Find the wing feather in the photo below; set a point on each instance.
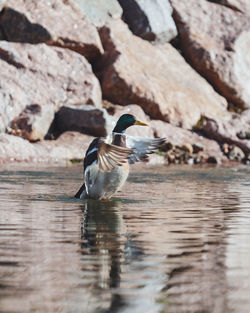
(109, 156)
(141, 147)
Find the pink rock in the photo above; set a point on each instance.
(67, 147)
(56, 22)
(2, 3)
(47, 77)
(242, 6)
(14, 149)
(156, 78)
(98, 12)
(227, 131)
(216, 41)
(85, 119)
(180, 137)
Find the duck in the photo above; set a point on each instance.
(107, 160)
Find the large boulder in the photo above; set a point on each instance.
(155, 77)
(150, 19)
(100, 12)
(234, 131)
(216, 41)
(69, 146)
(33, 21)
(14, 148)
(84, 119)
(36, 80)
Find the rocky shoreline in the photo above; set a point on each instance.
(70, 68)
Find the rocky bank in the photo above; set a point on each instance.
(70, 68)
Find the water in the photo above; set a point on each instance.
(174, 240)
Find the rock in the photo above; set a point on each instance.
(180, 137)
(218, 51)
(84, 119)
(225, 131)
(197, 147)
(236, 154)
(137, 131)
(69, 146)
(190, 161)
(2, 3)
(99, 12)
(33, 122)
(244, 134)
(155, 159)
(187, 147)
(213, 160)
(49, 77)
(134, 71)
(151, 19)
(17, 149)
(225, 148)
(242, 6)
(33, 21)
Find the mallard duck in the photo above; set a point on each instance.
(106, 163)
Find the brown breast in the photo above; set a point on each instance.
(119, 140)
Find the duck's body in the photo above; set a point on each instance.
(106, 183)
(106, 163)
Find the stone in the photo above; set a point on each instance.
(69, 146)
(33, 21)
(33, 122)
(85, 119)
(16, 149)
(242, 6)
(99, 12)
(213, 160)
(219, 50)
(49, 77)
(225, 131)
(187, 147)
(150, 19)
(2, 3)
(157, 78)
(177, 136)
(225, 148)
(197, 147)
(236, 154)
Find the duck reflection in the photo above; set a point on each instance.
(103, 246)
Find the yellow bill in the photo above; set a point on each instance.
(137, 122)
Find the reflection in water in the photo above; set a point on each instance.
(102, 235)
(175, 241)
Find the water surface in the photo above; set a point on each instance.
(174, 240)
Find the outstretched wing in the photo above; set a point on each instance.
(109, 156)
(141, 147)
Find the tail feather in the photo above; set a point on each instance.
(81, 193)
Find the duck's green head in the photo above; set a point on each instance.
(125, 121)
